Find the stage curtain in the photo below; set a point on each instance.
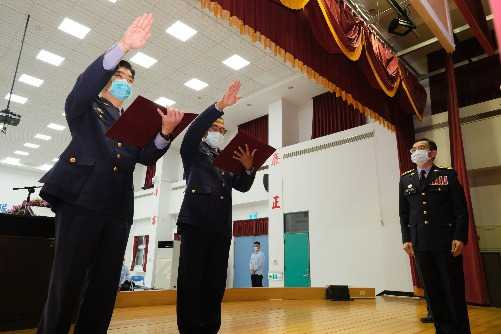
(289, 35)
(146, 244)
(250, 227)
(331, 114)
(150, 174)
(134, 252)
(476, 288)
(257, 128)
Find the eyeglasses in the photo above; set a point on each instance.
(420, 147)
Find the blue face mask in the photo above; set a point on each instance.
(120, 89)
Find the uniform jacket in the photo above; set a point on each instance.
(433, 214)
(94, 171)
(207, 201)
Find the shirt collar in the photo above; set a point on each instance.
(427, 170)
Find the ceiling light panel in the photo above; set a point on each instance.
(50, 58)
(30, 80)
(196, 84)
(143, 60)
(236, 62)
(74, 28)
(181, 31)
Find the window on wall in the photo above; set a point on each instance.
(140, 253)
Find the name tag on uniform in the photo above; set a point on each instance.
(440, 181)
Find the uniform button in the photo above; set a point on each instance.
(222, 197)
(118, 156)
(115, 169)
(73, 160)
(426, 222)
(424, 203)
(424, 194)
(119, 144)
(193, 191)
(425, 212)
(222, 173)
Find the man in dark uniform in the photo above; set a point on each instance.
(205, 219)
(434, 223)
(91, 190)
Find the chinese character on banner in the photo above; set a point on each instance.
(153, 220)
(276, 202)
(275, 160)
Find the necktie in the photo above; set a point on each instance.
(422, 178)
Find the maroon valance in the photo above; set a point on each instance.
(332, 46)
(250, 227)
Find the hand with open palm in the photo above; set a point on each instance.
(230, 97)
(138, 33)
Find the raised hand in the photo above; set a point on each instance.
(138, 33)
(170, 119)
(230, 97)
(246, 157)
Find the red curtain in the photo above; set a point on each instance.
(476, 288)
(257, 127)
(250, 227)
(134, 252)
(146, 243)
(331, 114)
(150, 174)
(293, 36)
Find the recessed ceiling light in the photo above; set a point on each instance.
(50, 58)
(165, 102)
(30, 145)
(45, 167)
(29, 80)
(143, 60)
(236, 62)
(181, 31)
(42, 137)
(74, 28)
(11, 161)
(196, 84)
(55, 160)
(21, 153)
(56, 127)
(113, 1)
(16, 98)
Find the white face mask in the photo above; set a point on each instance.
(420, 157)
(214, 139)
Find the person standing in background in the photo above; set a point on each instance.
(256, 265)
(434, 224)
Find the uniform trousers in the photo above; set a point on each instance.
(201, 282)
(89, 253)
(444, 282)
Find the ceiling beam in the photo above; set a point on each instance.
(474, 14)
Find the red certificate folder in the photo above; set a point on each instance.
(225, 160)
(141, 122)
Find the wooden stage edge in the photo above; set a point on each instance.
(168, 297)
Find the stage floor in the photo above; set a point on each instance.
(382, 315)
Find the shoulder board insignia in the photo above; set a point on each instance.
(408, 172)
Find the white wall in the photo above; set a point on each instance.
(11, 177)
(305, 120)
(354, 228)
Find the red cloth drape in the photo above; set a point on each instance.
(150, 174)
(134, 252)
(146, 243)
(257, 127)
(331, 114)
(476, 287)
(250, 227)
(294, 36)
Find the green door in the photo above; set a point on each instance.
(297, 259)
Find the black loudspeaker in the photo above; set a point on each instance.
(338, 292)
(266, 182)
